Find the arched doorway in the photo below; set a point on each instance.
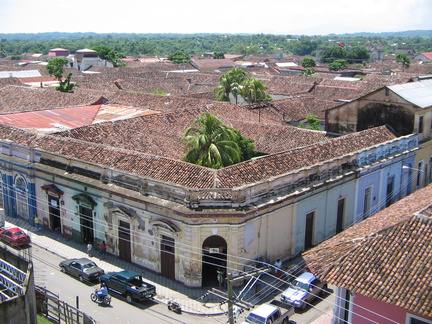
(214, 257)
(86, 205)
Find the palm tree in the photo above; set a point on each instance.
(230, 84)
(211, 143)
(403, 60)
(253, 90)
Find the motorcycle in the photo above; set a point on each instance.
(95, 298)
(174, 306)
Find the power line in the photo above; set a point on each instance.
(187, 246)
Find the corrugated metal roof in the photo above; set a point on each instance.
(54, 120)
(19, 74)
(418, 93)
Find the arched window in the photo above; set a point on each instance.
(21, 195)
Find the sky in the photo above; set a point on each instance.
(280, 17)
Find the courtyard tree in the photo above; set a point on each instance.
(308, 62)
(338, 65)
(55, 67)
(211, 143)
(403, 60)
(230, 84)
(253, 90)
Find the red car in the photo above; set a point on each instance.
(15, 236)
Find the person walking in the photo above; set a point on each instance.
(102, 252)
(89, 249)
(38, 223)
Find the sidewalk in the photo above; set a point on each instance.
(189, 298)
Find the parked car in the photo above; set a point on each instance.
(15, 236)
(82, 268)
(303, 290)
(129, 284)
(274, 312)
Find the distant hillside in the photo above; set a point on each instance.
(61, 35)
(408, 33)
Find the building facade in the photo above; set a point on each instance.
(185, 221)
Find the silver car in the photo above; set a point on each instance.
(303, 290)
(84, 269)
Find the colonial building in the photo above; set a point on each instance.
(184, 221)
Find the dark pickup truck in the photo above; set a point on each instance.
(128, 284)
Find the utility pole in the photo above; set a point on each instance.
(229, 298)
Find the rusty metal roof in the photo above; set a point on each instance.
(55, 120)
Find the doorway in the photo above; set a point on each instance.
(54, 214)
(86, 222)
(214, 257)
(309, 230)
(167, 257)
(124, 241)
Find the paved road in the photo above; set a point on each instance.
(48, 274)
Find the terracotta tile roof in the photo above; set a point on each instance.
(298, 107)
(387, 256)
(193, 176)
(161, 134)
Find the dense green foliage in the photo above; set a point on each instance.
(193, 44)
(110, 55)
(311, 123)
(211, 143)
(179, 57)
(308, 62)
(55, 67)
(338, 65)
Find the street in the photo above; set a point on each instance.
(71, 290)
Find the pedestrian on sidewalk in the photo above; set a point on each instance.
(89, 249)
(220, 277)
(102, 252)
(38, 223)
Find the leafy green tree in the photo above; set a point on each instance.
(246, 146)
(358, 54)
(65, 85)
(308, 62)
(312, 123)
(338, 65)
(334, 53)
(179, 57)
(110, 55)
(218, 55)
(230, 83)
(308, 72)
(211, 143)
(403, 60)
(56, 66)
(253, 90)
